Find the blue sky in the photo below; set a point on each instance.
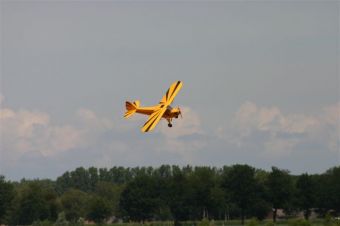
(261, 84)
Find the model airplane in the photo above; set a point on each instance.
(161, 110)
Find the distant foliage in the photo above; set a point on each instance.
(336, 222)
(204, 222)
(170, 193)
(305, 197)
(253, 222)
(42, 223)
(34, 202)
(6, 196)
(74, 204)
(139, 200)
(99, 209)
(240, 184)
(280, 189)
(270, 224)
(61, 220)
(299, 222)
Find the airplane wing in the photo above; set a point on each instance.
(171, 93)
(154, 119)
(165, 102)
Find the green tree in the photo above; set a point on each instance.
(239, 182)
(94, 177)
(110, 192)
(217, 202)
(6, 196)
(206, 193)
(139, 199)
(280, 189)
(63, 182)
(260, 209)
(99, 209)
(33, 202)
(61, 220)
(120, 175)
(181, 196)
(81, 179)
(74, 204)
(162, 176)
(328, 190)
(305, 193)
(334, 187)
(261, 206)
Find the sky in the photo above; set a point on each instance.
(261, 84)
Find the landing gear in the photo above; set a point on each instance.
(169, 122)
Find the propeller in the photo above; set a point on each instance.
(180, 112)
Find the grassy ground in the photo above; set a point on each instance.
(205, 222)
(314, 222)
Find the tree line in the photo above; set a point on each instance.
(169, 193)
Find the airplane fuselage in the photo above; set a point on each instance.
(156, 112)
(168, 114)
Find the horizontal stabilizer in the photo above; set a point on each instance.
(131, 108)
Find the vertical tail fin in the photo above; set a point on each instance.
(131, 108)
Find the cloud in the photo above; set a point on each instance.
(329, 128)
(185, 137)
(279, 134)
(28, 135)
(98, 140)
(90, 119)
(25, 131)
(2, 98)
(189, 125)
(32, 131)
(32, 144)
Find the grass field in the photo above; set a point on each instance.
(205, 222)
(294, 222)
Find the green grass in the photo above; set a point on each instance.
(249, 222)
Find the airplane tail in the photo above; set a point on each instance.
(131, 108)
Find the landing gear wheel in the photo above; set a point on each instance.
(169, 125)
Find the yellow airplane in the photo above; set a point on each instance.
(163, 109)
